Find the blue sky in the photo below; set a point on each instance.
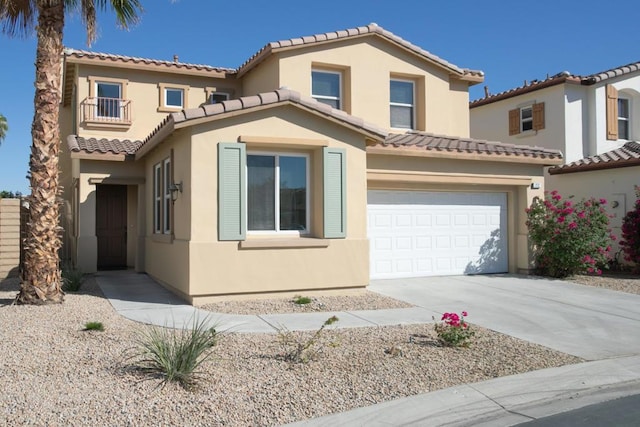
(511, 41)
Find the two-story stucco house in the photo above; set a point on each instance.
(592, 119)
(319, 163)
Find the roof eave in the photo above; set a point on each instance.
(594, 166)
(524, 90)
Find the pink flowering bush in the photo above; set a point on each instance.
(569, 238)
(454, 331)
(631, 234)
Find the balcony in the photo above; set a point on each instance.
(106, 112)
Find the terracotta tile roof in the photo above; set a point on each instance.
(75, 53)
(563, 77)
(103, 145)
(428, 141)
(279, 96)
(627, 155)
(351, 33)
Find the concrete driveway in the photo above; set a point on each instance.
(584, 321)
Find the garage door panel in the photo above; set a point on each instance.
(426, 233)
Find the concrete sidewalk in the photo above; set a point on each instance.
(596, 324)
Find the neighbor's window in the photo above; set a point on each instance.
(109, 98)
(526, 118)
(217, 97)
(173, 97)
(402, 104)
(623, 118)
(277, 193)
(326, 87)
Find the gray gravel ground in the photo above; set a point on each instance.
(615, 281)
(56, 374)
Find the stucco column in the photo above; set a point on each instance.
(141, 230)
(87, 249)
(525, 197)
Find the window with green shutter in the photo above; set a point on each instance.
(335, 195)
(232, 160)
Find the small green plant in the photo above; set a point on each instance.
(297, 349)
(72, 278)
(93, 326)
(454, 331)
(175, 355)
(300, 300)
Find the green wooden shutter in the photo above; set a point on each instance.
(335, 192)
(232, 161)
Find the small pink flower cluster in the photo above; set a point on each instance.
(452, 319)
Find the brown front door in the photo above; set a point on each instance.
(111, 226)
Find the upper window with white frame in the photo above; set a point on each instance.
(623, 118)
(217, 97)
(109, 98)
(326, 87)
(172, 97)
(277, 193)
(526, 118)
(402, 104)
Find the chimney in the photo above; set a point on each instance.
(486, 91)
(175, 58)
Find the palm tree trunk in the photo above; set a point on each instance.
(40, 278)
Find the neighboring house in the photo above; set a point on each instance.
(594, 120)
(318, 164)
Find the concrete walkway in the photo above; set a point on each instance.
(598, 325)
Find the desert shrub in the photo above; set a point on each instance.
(175, 354)
(569, 238)
(299, 348)
(300, 300)
(630, 242)
(72, 278)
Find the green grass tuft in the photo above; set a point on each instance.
(72, 278)
(175, 355)
(301, 300)
(93, 326)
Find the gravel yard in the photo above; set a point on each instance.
(54, 373)
(613, 280)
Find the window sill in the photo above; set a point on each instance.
(297, 243)
(527, 134)
(162, 238)
(169, 109)
(107, 124)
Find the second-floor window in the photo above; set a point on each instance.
(402, 104)
(109, 98)
(326, 87)
(217, 97)
(526, 118)
(623, 118)
(173, 97)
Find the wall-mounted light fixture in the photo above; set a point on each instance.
(175, 188)
(535, 185)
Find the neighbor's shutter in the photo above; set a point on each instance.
(335, 192)
(612, 113)
(232, 160)
(514, 121)
(538, 116)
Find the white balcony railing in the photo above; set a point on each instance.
(106, 110)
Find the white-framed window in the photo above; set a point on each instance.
(157, 198)
(526, 118)
(173, 97)
(109, 98)
(326, 87)
(166, 196)
(277, 193)
(162, 202)
(623, 118)
(402, 104)
(217, 97)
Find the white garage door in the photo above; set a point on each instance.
(416, 233)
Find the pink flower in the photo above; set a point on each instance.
(581, 215)
(590, 270)
(464, 314)
(603, 201)
(573, 226)
(556, 197)
(568, 204)
(560, 219)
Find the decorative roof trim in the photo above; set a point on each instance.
(474, 76)
(563, 77)
(626, 156)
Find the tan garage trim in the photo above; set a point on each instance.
(446, 178)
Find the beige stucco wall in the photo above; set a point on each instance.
(367, 64)
(614, 185)
(143, 89)
(392, 172)
(223, 268)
